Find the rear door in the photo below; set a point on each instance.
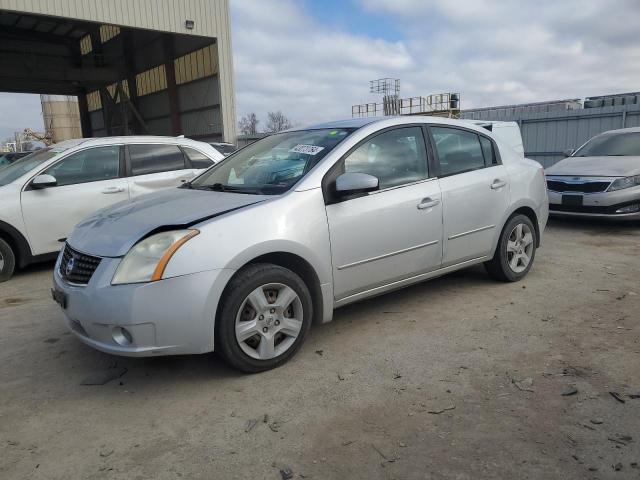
(154, 167)
(475, 192)
(87, 181)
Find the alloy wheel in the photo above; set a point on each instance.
(269, 321)
(520, 247)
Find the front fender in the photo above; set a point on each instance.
(295, 223)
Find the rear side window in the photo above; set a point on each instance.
(458, 150)
(487, 150)
(197, 159)
(147, 159)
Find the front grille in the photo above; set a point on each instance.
(583, 187)
(81, 269)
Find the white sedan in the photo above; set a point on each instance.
(43, 195)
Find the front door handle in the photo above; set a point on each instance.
(428, 203)
(109, 190)
(497, 183)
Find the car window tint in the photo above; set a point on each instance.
(146, 159)
(91, 165)
(458, 150)
(395, 157)
(198, 159)
(487, 150)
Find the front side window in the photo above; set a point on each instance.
(273, 164)
(197, 159)
(395, 157)
(458, 150)
(147, 159)
(611, 145)
(91, 165)
(13, 171)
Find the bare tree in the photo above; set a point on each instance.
(248, 124)
(277, 122)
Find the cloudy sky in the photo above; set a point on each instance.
(313, 59)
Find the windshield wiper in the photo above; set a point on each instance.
(220, 187)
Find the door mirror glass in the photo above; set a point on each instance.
(568, 152)
(44, 181)
(352, 182)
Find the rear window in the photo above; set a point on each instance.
(147, 159)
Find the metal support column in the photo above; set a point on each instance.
(172, 89)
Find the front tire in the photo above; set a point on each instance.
(7, 261)
(515, 252)
(265, 314)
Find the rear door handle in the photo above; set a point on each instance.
(109, 190)
(497, 183)
(428, 203)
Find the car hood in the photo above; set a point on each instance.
(596, 167)
(112, 232)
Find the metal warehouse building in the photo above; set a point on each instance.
(159, 67)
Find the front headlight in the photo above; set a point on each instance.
(147, 260)
(626, 182)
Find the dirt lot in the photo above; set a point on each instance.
(459, 378)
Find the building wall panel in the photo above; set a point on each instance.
(547, 133)
(211, 19)
(199, 94)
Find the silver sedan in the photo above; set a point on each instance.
(243, 259)
(601, 179)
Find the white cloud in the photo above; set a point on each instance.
(492, 52)
(285, 60)
(497, 52)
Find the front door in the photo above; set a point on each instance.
(475, 193)
(395, 232)
(87, 181)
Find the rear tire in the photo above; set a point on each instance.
(515, 251)
(265, 315)
(7, 261)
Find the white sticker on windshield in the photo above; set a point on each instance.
(308, 149)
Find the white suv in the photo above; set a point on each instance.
(43, 195)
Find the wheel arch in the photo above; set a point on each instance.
(300, 267)
(524, 209)
(17, 242)
(531, 214)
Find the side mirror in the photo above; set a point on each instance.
(568, 152)
(351, 183)
(44, 181)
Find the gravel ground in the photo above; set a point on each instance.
(460, 377)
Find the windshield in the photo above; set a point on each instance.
(13, 171)
(273, 164)
(611, 145)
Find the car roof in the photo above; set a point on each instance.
(396, 120)
(66, 145)
(130, 139)
(622, 130)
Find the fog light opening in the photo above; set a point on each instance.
(122, 336)
(629, 208)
